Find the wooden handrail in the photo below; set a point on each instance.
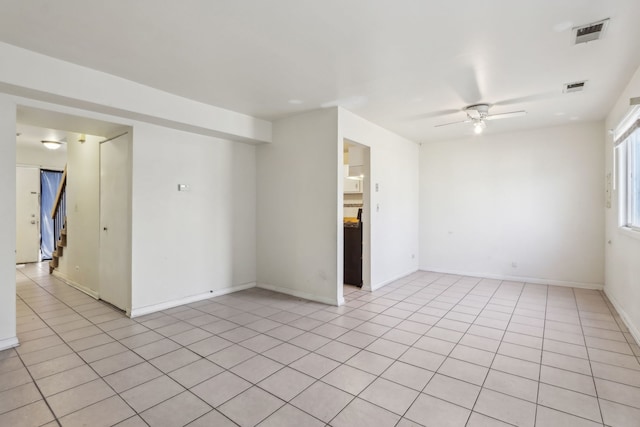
(56, 202)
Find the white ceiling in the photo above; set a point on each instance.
(35, 125)
(394, 63)
(30, 137)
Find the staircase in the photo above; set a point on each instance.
(59, 216)
(61, 243)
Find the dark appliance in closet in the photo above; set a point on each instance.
(353, 251)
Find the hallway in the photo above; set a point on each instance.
(429, 349)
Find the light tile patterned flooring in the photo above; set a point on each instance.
(430, 349)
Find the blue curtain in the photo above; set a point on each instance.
(49, 181)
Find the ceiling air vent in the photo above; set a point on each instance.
(590, 32)
(574, 87)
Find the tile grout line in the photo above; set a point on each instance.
(316, 380)
(629, 338)
(344, 363)
(458, 343)
(87, 364)
(182, 346)
(496, 352)
(144, 361)
(544, 330)
(224, 369)
(595, 388)
(566, 370)
(55, 417)
(395, 360)
(231, 367)
(423, 335)
(551, 351)
(363, 348)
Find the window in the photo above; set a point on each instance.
(627, 146)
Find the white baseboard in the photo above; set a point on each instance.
(8, 343)
(377, 286)
(141, 311)
(300, 294)
(535, 280)
(633, 329)
(78, 286)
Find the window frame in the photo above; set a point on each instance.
(627, 171)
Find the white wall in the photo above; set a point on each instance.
(298, 206)
(394, 167)
(622, 284)
(534, 198)
(79, 263)
(188, 245)
(300, 199)
(41, 157)
(7, 223)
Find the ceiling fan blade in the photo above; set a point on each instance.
(505, 115)
(454, 123)
(465, 83)
(529, 98)
(432, 114)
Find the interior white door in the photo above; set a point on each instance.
(27, 215)
(115, 253)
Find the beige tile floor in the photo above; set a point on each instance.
(430, 349)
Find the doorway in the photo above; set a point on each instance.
(49, 183)
(85, 248)
(356, 214)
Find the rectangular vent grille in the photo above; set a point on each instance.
(590, 32)
(574, 87)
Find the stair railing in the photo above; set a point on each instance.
(59, 210)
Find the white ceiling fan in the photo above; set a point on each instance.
(478, 114)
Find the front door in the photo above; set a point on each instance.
(27, 215)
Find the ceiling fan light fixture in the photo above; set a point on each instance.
(478, 127)
(478, 114)
(51, 145)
